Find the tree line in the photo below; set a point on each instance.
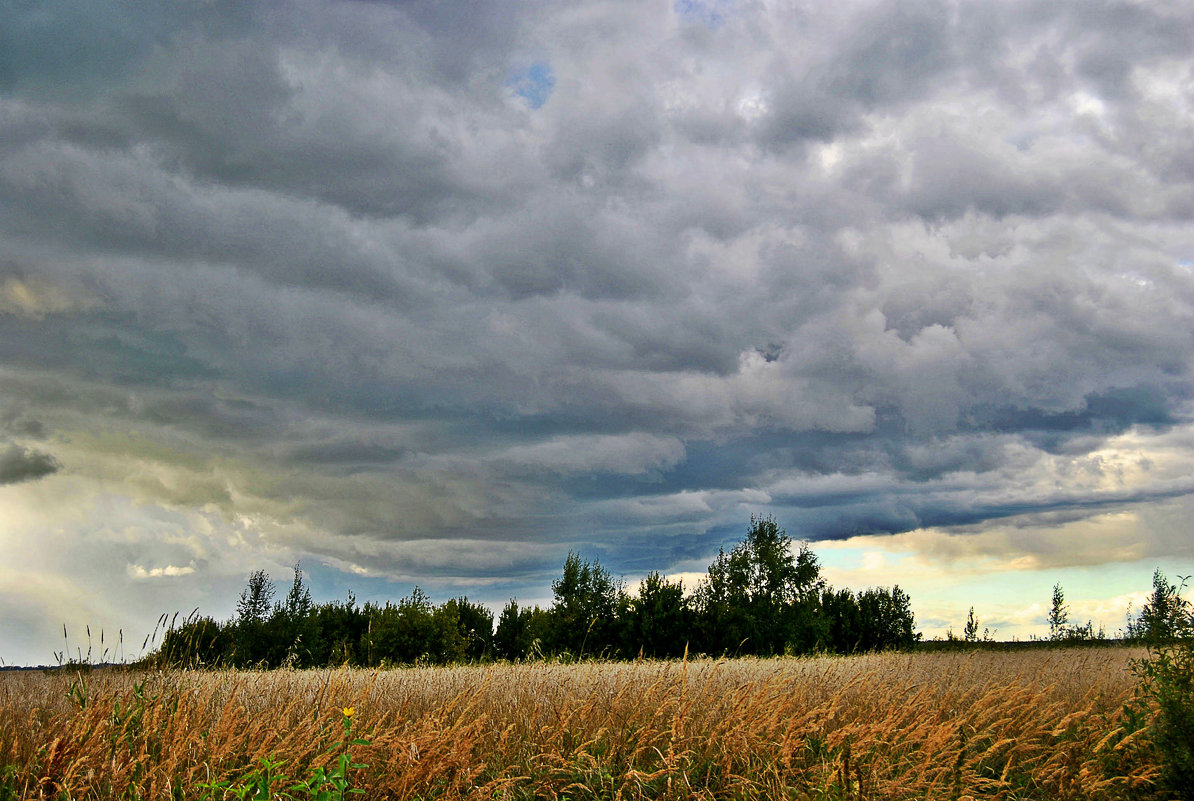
(764, 597)
(1164, 618)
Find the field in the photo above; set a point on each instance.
(983, 724)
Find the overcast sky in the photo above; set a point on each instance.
(435, 292)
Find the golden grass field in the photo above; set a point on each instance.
(983, 724)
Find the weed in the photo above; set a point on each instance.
(332, 784)
(255, 785)
(325, 782)
(8, 783)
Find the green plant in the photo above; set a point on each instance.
(332, 783)
(256, 785)
(8, 783)
(325, 783)
(77, 691)
(1167, 693)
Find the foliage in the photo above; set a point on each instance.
(970, 632)
(761, 598)
(254, 603)
(765, 596)
(411, 631)
(474, 624)
(198, 642)
(326, 782)
(1058, 620)
(583, 615)
(521, 632)
(1059, 614)
(876, 619)
(658, 620)
(1166, 615)
(1165, 697)
(298, 599)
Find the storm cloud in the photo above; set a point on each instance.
(436, 295)
(24, 464)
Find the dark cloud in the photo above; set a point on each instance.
(392, 284)
(19, 464)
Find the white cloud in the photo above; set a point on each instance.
(166, 571)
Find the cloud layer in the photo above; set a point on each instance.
(437, 297)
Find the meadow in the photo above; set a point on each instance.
(1046, 723)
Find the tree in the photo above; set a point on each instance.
(509, 639)
(1166, 615)
(1166, 692)
(840, 608)
(198, 642)
(1059, 614)
(722, 600)
(658, 621)
(338, 630)
(255, 599)
(886, 619)
(403, 633)
(475, 625)
(298, 599)
(290, 632)
(521, 632)
(253, 644)
(761, 598)
(584, 612)
(970, 633)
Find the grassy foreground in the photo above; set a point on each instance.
(1041, 724)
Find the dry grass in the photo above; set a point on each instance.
(1041, 724)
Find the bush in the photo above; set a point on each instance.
(1167, 691)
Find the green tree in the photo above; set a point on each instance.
(474, 625)
(290, 631)
(722, 602)
(521, 632)
(253, 609)
(447, 644)
(1166, 692)
(255, 600)
(1059, 614)
(886, 619)
(1165, 698)
(658, 621)
(970, 632)
(509, 638)
(198, 642)
(761, 597)
(403, 633)
(844, 617)
(584, 612)
(338, 629)
(1166, 614)
(298, 599)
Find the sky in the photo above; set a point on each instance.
(436, 292)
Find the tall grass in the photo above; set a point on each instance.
(943, 725)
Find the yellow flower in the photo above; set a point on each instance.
(349, 711)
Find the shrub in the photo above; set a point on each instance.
(1167, 691)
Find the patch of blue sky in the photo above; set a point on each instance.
(534, 84)
(711, 12)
